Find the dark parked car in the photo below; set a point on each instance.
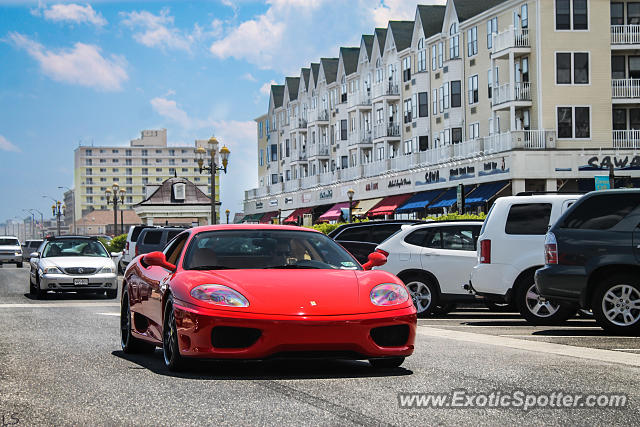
(155, 239)
(593, 259)
(361, 238)
(28, 247)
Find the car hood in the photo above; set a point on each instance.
(296, 292)
(76, 261)
(10, 248)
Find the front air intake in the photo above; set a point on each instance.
(390, 336)
(233, 337)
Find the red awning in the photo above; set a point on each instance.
(334, 213)
(266, 218)
(388, 205)
(297, 214)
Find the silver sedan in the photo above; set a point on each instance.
(73, 264)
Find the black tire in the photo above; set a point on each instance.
(111, 293)
(616, 304)
(387, 362)
(500, 307)
(172, 358)
(534, 309)
(19, 264)
(128, 342)
(443, 309)
(34, 289)
(424, 293)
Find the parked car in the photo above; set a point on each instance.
(434, 261)
(361, 238)
(73, 264)
(28, 247)
(155, 239)
(511, 249)
(593, 259)
(129, 251)
(10, 251)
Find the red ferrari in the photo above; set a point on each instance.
(261, 291)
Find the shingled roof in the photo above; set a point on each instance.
(164, 194)
(293, 83)
(350, 57)
(315, 72)
(431, 17)
(306, 72)
(467, 9)
(277, 91)
(368, 43)
(330, 67)
(381, 33)
(402, 32)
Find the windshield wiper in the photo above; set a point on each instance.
(210, 267)
(292, 266)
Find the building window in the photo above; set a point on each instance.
(145, 161)
(454, 41)
(441, 98)
(472, 41)
(260, 129)
(524, 16)
(127, 152)
(274, 152)
(145, 171)
(129, 171)
(407, 146)
(144, 152)
(115, 160)
(634, 67)
(434, 98)
(619, 119)
(423, 104)
(456, 135)
(440, 54)
(423, 142)
(633, 13)
(343, 130)
(407, 111)
(473, 89)
(88, 153)
(474, 131)
(492, 28)
(574, 122)
(261, 157)
(434, 58)
(422, 56)
(578, 61)
(406, 69)
(572, 14)
(456, 96)
(88, 162)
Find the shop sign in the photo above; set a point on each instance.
(401, 182)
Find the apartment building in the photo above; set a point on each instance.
(502, 96)
(137, 168)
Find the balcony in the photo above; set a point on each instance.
(625, 36)
(326, 178)
(319, 150)
(376, 168)
(504, 94)
(513, 38)
(320, 116)
(625, 90)
(402, 162)
(629, 138)
(467, 149)
(309, 181)
(391, 90)
(359, 100)
(291, 185)
(299, 124)
(349, 174)
(365, 137)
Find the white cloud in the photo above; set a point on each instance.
(71, 12)
(159, 30)
(169, 109)
(83, 64)
(265, 89)
(249, 77)
(6, 145)
(397, 10)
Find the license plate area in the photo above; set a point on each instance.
(80, 282)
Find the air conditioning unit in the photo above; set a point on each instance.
(473, 110)
(446, 116)
(438, 120)
(406, 87)
(334, 149)
(472, 62)
(407, 129)
(413, 82)
(445, 69)
(437, 76)
(414, 124)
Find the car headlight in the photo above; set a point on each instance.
(51, 270)
(219, 295)
(18, 253)
(106, 270)
(389, 294)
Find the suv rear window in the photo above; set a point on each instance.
(355, 234)
(380, 233)
(528, 219)
(136, 232)
(153, 237)
(172, 233)
(602, 212)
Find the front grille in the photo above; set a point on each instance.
(232, 337)
(390, 336)
(79, 270)
(7, 252)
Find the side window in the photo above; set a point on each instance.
(172, 251)
(417, 237)
(434, 239)
(152, 237)
(602, 212)
(172, 233)
(460, 238)
(355, 234)
(528, 219)
(380, 233)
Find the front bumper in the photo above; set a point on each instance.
(563, 283)
(10, 258)
(292, 336)
(65, 282)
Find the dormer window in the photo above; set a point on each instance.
(422, 56)
(454, 41)
(179, 191)
(343, 89)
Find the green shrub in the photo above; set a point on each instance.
(116, 244)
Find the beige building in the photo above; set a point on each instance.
(538, 95)
(138, 169)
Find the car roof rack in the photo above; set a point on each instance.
(542, 193)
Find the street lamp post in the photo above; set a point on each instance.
(41, 220)
(350, 194)
(213, 168)
(115, 196)
(227, 212)
(58, 211)
(73, 202)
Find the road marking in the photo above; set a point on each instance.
(61, 304)
(535, 346)
(568, 336)
(109, 314)
(626, 349)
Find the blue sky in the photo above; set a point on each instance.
(101, 71)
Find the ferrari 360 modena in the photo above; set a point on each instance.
(260, 292)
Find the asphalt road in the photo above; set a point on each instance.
(60, 363)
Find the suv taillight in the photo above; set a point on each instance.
(136, 250)
(550, 249)
(485, 251)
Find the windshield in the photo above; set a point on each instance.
(258, 249)
(74, 247)
(4, 241)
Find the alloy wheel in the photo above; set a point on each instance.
(621, 305)
(168, 337)
(537, 305)
(421, 295)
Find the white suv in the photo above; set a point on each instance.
(511, 249)
(434, 261)
(129, 251)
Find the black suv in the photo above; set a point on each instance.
(593, 259)
(361, 238)
(155, 239)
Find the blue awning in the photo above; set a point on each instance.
(450, 197)
(418, 201)
(485, 192)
